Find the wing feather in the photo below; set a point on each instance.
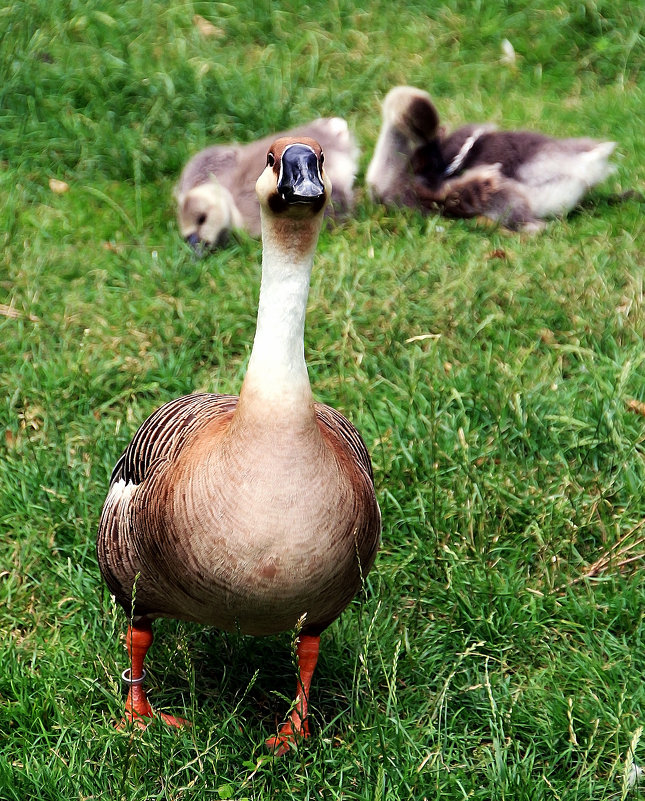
(335, 422)
(166, 431)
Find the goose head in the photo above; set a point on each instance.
(411, 111)
(294, 186)
(205, 218)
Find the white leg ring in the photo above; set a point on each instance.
(126, 677)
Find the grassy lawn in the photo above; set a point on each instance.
(498, 651)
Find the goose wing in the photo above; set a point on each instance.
(166, 431)
(365, 530)
(472, 193)
(335, 423)
(157, 442)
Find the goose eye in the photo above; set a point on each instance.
(270, 159)
(201, 219)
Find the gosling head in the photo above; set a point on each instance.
(204, 216)
(411, 111)
(294, 184)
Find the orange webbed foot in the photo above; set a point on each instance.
(143, 721)
(137, 707)
(296, 728)
(286, 738)
(173, 720)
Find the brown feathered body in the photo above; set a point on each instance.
(248, 514)
(246, 524)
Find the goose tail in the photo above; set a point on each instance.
(597, 166)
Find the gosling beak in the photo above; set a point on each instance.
(300, 180)
(194, 241)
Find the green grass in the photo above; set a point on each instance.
(492, 376)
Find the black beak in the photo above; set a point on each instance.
(300, 180)
(197, 245)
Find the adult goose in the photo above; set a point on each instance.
(254, 514)
(215, 193)
(515, 177)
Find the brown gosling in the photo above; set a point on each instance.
(515, 177)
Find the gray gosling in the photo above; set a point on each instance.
(216, 189)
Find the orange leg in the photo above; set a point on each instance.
(297, 726)
(137, 706)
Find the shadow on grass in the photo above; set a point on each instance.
(204, 673)
(597, 202)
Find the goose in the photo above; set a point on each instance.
(515, 177)
(255, 513)
(215, 193)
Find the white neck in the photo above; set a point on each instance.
(277, 372)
